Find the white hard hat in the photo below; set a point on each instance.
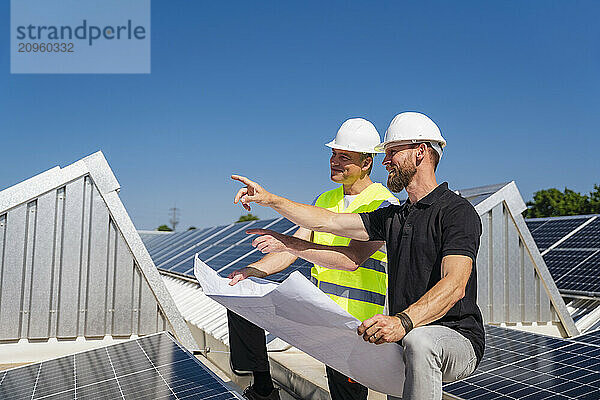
(356, 134)
(413, 127)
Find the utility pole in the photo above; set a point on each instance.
(174, 217)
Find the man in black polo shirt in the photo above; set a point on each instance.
(432, 242)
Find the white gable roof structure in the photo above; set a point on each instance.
(72, 264)
(514, 284)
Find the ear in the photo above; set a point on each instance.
(367, 162)
(421, 152)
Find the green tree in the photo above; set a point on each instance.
(595, 200)
(164, 228)
(554, 203)
(247, 217)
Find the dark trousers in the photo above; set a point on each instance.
(247, 343)
(342, 388)
(249, 353)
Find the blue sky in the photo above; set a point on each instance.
(257, 88)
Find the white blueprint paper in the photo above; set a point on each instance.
(305, 317)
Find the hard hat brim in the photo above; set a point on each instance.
(334, 145)
(381, 147)
(439, 148)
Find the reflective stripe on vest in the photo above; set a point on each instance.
(360, 292)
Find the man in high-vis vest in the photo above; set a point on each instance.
(432, 241)
(361, 292)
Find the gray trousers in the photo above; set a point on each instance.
(432, 355)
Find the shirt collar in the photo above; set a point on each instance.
(434, 195)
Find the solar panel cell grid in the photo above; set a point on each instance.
(187, 253)
(584, 277)
(554, 230)
(154, 367)
(560, 262)
(520, 365)
(589, 338)
(283, 225)
(55, 377)
(240, 234)
(231, 254)
(170, 251)
(171, 241)
(533, 225)
(588, 237)
(224, 248)
(573, 263)
(244, 247)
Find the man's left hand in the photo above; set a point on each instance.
(381, 329)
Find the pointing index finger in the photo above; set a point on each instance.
(242, 179)
(257, 231)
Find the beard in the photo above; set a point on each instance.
(400, 178)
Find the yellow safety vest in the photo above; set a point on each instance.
(361, 292)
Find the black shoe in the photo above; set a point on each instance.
(251, 394)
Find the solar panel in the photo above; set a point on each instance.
(151, 237)
(225, 248)
(560, 262)
(168, 251)
(186, 254)
(534, 224)
(236, 236)
(574, 262)
(160, 244)
(243, 246)
(153, 367)
(584, 277)
(555, 229)
(181, 240)
(588, 237)
(521, 365)
(300, 265)
(589, 338)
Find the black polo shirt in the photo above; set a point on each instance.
(417, 236)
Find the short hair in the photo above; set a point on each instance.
(433, 156)
(363, 157)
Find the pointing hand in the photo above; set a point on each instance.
(269, 241)
(253, 192)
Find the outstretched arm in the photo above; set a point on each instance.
(347, 258)
(310, 217)
(269, 264)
